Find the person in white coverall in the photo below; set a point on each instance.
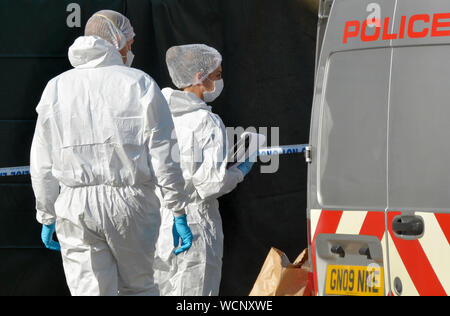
(101, 145)
(196, 70)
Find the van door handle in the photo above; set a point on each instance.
(408, 226)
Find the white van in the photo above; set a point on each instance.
(379, 179)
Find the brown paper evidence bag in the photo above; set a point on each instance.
(280, 277)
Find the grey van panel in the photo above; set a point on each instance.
(349, 10)
(411, 90)
(352, 146)
(351, 246)
(411, 7)
(419, 143)
(346, 10)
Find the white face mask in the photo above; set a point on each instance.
(210, 96)
(130, 58)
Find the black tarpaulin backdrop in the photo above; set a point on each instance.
(268, 48)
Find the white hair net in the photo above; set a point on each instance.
(111, 26)
(184, 62)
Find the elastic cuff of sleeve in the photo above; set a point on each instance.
(44, 218)
(179, 213)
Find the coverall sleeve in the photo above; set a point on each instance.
(45, 185)
(163, 147)
(212, 179)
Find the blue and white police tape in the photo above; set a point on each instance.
(283, 150)
(14, 171)
(269, 151)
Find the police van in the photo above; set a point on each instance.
(379, 177)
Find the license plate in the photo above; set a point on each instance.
(355, 280)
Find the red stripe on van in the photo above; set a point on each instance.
(327, 224)
(373, 225)
(416, 263)
(444, 222)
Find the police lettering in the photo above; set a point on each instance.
(417, 26)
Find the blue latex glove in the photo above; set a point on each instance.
(181, 230)
(245, 167)
(47, 237)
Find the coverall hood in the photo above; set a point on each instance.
(181, 102)
(93, 52)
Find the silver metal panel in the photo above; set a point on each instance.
(341, 12)
(394, 87)
(345, 11)
(423, 10)
(351, 246)
(353, 126)
(419, 143)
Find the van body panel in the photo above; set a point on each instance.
(357, 226)
(352, 131)
(380, 141)
(434, 9)
(419, 133)
(421, 264)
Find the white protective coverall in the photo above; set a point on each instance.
(202, 141)
(102, 143)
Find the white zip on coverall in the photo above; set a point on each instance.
(103, 136)
(202, 142)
